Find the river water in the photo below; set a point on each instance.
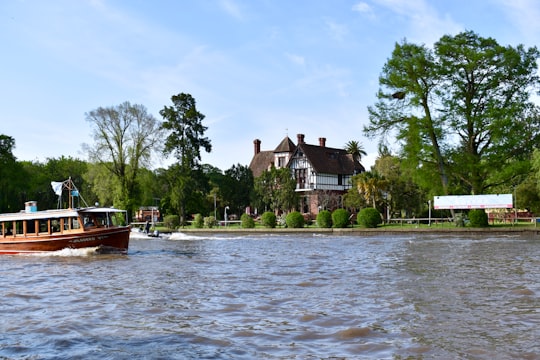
(408, 296)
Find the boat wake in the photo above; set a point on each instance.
(67, 252)
(183, 236)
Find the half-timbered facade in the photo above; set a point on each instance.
(323, 174)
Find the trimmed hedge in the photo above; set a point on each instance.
(294, 220)
(198, 221)
(324, 219)
(268, 219)
(369, 217)
(247, 221)
(478, 218)
(340, 218)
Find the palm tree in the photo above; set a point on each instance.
(371, 186)
(356, 149)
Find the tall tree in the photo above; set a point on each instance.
(238, 187)
(371, 186)
(125, 137)
(183, 123)
(487, 89)
(458, 109)
(408, 87)
(275, 190)
(356, 149)
(12, 177)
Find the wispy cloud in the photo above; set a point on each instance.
(232, 8)
(364, 8)
(337, 31)
(524, 14)
(296, 59)
(423, 23)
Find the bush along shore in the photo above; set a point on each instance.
(340, 221)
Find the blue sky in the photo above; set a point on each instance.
(257, 68)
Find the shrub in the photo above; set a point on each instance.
(171, 221)
(247, 221)
(198, 221)
(294, 220)
(340, 218)
(210, 221)
(369, 218)
(478, 218)
(268, 219)
(459, 220)
(324, 219)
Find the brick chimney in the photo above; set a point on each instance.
(300, 138)
(322, 142)
(257, 146)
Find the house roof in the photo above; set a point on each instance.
(286, 145)
(324, 160)
(261, 162)
(327, 160)
(263, 159)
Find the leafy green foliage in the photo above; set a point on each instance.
(275, 189)
(268, 219)
(478, 218)
(198, 221)
(237, 187)
(185, 138)
(468, 88)
(369, 218)
(340, 218)
(294, 220)
(210, 221)
(171, 221)
(247, 221)
(13, 178)
(324, 219)
(124, 140)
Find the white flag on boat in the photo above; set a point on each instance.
(57, 187)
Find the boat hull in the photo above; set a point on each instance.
(108, 240)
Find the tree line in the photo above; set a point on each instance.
(455, 118)
(461, 119)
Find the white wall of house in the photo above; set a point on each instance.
(281, 159)
(314, 181)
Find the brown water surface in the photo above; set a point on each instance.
(277, 297)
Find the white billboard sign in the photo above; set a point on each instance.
(498, 201)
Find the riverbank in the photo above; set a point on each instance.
(496, 230)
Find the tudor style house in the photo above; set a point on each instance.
(323, 175)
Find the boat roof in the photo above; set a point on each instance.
(55, 214)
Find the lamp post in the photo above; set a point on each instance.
(226, 208)
(429, 213)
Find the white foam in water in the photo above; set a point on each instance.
(138, 235)
(69, 252)
(182, 236)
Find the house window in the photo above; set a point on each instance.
(281, 161)
(300, 178)
(340, 179)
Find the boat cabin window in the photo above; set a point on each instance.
(30, 227)
(44, 226)
(19, 227)
(88, 222)
(75, 223)
(56, 225)
(7, 228)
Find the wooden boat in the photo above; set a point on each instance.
(33, 231)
